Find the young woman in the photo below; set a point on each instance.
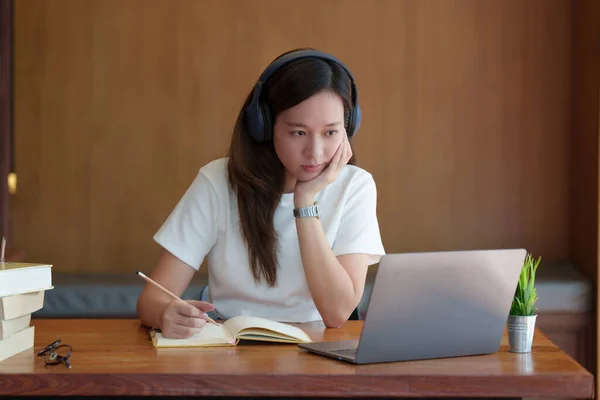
(287, 221)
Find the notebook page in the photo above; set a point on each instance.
(210, 334)
(239, 323)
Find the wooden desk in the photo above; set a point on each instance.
(116, 357)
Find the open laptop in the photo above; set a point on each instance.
(433, 305)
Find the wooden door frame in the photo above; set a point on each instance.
(6, 109)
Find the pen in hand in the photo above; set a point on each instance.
(172, 295)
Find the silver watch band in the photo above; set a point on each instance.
(306, 212)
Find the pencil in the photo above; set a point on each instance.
(2, 249)
(173, 295)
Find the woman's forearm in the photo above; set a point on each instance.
(150, 307)
(173, 274)
(330, 285)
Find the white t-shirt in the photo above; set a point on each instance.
(205, 223)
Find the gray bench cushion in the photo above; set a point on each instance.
(101, 296)
(561, 287)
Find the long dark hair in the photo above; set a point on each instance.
(254, 170)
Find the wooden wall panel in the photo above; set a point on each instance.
(466, 116)
(6, 7)
(585, 165)
(584, 143)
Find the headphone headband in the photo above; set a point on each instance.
(257, 115)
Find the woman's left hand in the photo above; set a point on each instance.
(305, 192)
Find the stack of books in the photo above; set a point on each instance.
(22, 289)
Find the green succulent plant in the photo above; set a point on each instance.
(526, 293)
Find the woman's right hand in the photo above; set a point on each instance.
(181, 319)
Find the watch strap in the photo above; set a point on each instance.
(307, 212)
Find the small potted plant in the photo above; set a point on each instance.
(523, 314)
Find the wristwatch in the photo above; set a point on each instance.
(305, 212)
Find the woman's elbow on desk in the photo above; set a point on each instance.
(337, 300)
(334, 321)
(339, 313)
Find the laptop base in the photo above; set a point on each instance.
(343, 350)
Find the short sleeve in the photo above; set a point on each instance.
(191, 229)
(359, 227)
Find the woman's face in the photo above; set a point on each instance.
(307, 136)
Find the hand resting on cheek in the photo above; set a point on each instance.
(308, 189)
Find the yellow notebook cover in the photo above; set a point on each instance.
(233, 330)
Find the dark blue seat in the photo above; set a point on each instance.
(354, 316)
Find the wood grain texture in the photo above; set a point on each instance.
(6, 111)
(573, 333)
(117, 104)
(584, 139)
(585, 163)
(116, 357)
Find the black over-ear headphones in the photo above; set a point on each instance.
(257, 114)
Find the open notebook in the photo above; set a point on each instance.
(235, 329)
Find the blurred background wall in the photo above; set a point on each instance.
(480, 118)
